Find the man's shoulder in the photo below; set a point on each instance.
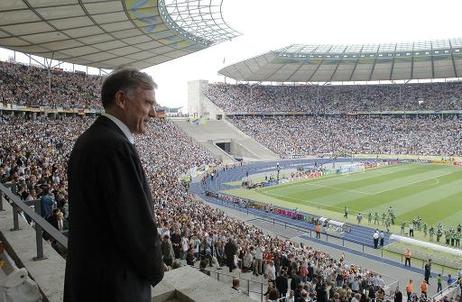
(102, 134)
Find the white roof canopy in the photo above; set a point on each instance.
(112, 33)
(367, 62)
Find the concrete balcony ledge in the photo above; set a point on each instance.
(188, 284)
(183, 284)
(47, 273)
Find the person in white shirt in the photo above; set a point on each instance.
(356, 298)
(185, 246)
(258, 260)
(271, 271)
(376, 238)
(247, 261)
(291, 297)
(355, 284)
(380, 282)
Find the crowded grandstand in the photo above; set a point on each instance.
(44, 110)
(35, 149)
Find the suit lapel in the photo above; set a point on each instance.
(142, 175)
(102, 120)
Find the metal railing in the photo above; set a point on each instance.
(390, 286)
(248, 286)
(449, 291)
(335, 239)
(40, 224)
(390, 289)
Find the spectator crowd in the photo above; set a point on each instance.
(336, 98)
(291, 136)
(33, 156)
(35, 86)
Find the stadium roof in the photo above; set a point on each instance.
(112, 33)
(368, 62)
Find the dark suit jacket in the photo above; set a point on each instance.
(230, 249)
(282, 284)
(114, 248)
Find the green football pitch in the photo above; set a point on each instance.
(431, 191)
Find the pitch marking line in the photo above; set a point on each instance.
(413, 183)
(319, 204)
(333, 177)
(339, 189)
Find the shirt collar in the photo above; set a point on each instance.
(121, 125)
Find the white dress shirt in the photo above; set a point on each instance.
(121, 125)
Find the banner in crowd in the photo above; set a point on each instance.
(457, 163)
(247, 203)
(442, 161)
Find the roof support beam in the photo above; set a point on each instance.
(392, 64)
(57, 65)
(319, 65)
(248, 67)
(336, 67)
(48, 62)
(356, 63)
(433, 64)
(335, 70)
(409, 56)
(100, 51)
(412, 67)
(433, 67)
(273, 73)
(35, 60)
(210, 17)
(316, 70)
(50, 6)
(453, 60)
(373, 64)
(240, 73)
(454, 65)
(295, 71)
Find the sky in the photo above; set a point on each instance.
(268, 25)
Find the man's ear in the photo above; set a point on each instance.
(120, 99)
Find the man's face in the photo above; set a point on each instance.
(138, 109)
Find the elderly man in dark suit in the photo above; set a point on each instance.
(114, 251)
(230, 252)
